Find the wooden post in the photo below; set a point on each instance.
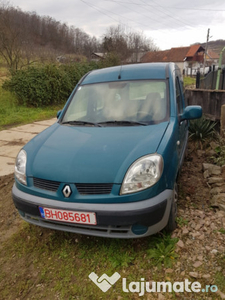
(222, 121)
(198, 80)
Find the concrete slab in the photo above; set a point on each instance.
(6, 165)
(15, 137)
(30, 128)
(35, 127)
(46, 122)
(9, 151)
(12, 140)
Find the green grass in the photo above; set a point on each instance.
(12, 114)
(219, 157)
(181, 221)
(38, 263)
(219, 276)
(162, 251)
(189, 81)
(48, 263)
(222, 230)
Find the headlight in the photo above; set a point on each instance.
(142, 174)
(20, 167)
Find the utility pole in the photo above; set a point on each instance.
(206, 48)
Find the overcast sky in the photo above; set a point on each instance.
(170, 23)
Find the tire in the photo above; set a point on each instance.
(172, 225)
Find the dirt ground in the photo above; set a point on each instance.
(201, 229)
(9, 218)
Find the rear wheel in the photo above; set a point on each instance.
(171, 225)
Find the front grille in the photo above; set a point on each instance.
(44, 184)
(97, 230)
(94, 188)
(83, 188)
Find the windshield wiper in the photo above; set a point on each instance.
(81, 123)
(127, 123)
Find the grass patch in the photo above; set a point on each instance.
(181, 221)
(38, 263)
(55, 265)
(189, 81)
(220, 275)
(12, 114)
(162, 251)
(219, 157)
(222, 230)
(220, 280)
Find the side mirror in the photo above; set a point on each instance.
(191, 112)
(58, 114)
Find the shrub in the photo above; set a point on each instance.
(39, 86)
(46, 85)
(51, 84)
(201, 130)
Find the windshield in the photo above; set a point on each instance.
(143, 101)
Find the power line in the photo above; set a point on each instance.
(169, 7)
(147, 16)
(168, 15)
(103, 11)
(141, 14)
(194, 9)
(106, 13)
(94, 7)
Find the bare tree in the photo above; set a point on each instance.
(115, 41)
(126, 44)
(139, 44)
(11, 37)
(25, 36)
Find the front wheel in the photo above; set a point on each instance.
(171, 225)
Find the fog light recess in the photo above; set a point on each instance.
(139, 229)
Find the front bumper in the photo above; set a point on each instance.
(113, 220)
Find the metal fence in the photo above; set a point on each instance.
(209, 81)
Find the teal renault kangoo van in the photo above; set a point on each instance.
(109, 166)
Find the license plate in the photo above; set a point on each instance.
(68, 216)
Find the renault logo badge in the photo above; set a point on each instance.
(67, 191)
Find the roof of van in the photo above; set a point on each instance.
(129, 72)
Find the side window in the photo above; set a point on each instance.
(179, 97)
(183, 92)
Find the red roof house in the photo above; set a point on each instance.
(184, 57)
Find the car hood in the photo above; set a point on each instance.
(76, 154)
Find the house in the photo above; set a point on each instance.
(212, 58)
(97, 56)
(70, 58)
(189, 59)
(135, 57)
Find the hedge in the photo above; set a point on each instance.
(46, 85)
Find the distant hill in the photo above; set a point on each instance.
(216, 46)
